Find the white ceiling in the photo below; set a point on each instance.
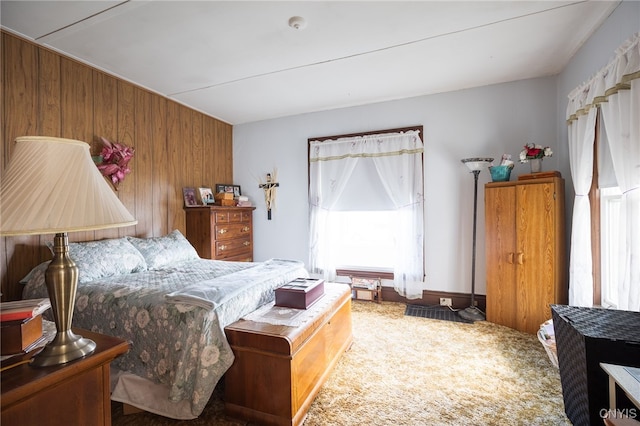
(239, 61)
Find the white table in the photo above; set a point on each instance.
(623, 377)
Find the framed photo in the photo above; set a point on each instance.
(190, 199)
(206, 195)
(225, 187)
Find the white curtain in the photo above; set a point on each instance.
(621, 114)
(616, 90)
(581, 138)
(398, 161)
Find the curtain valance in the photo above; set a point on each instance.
(616, 76)
(366, 146)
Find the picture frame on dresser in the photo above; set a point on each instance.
(206, 195)
(226, 187)
(190, 198)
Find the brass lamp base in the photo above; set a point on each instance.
(61, 278)
(65, 347)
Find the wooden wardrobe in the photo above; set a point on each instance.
(525, 250)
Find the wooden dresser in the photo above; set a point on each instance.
(221, 233)
(76, 393)
(278, 370)
(525, 251)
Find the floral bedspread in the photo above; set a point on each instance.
(176, 339)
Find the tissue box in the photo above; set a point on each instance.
(300, 293)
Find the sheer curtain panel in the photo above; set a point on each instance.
(398, 162)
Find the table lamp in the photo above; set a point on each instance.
(475, 165)
(52, 186)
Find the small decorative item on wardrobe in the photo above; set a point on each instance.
(536, 165)
(535, 154)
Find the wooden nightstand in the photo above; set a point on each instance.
(76, 393)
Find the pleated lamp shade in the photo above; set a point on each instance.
(52, 185)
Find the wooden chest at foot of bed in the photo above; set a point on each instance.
(279, 369)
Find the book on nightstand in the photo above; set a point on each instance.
(21, 324)
(20, 335)
(23, 309)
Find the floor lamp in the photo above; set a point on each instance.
(52, 186)
(475, 165)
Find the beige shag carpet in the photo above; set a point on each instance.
(415, 371)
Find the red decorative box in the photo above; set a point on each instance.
(300, 293)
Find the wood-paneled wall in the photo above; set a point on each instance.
(47, 94)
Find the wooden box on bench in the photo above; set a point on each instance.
(278, 370)
(300, 293)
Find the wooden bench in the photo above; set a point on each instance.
(279, 369)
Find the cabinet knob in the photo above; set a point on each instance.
(222, 231)
(520, 258)
(510, 258)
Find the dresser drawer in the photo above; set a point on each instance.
(231, 231)
(232, 216)
(235, 247)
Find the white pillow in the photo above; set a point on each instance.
(165, 250)
(104, 258)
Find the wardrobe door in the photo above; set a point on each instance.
(500, 247)
(536, 254)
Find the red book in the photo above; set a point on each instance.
(23, 309)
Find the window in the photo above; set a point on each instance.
(366, 206)
(610, 231)
(363, 240)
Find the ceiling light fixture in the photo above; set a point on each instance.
(297, 23)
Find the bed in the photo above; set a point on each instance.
(172, 306)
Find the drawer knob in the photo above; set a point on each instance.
(246, 243)
(245, 229)
(222, 247)
(222, 231)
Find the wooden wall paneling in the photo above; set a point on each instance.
(199, 155)
(105, 124)
(20, 102)
(143, 165)
(218, 143)
(160, 176)
(187, 176)
(126, 135)
(49, 115)
(224, 135)
(188, 144)
(175, 151)
(211, 147)
(76, 106)
(49, 92)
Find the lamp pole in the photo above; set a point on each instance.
(476, 165)
(475, 224)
